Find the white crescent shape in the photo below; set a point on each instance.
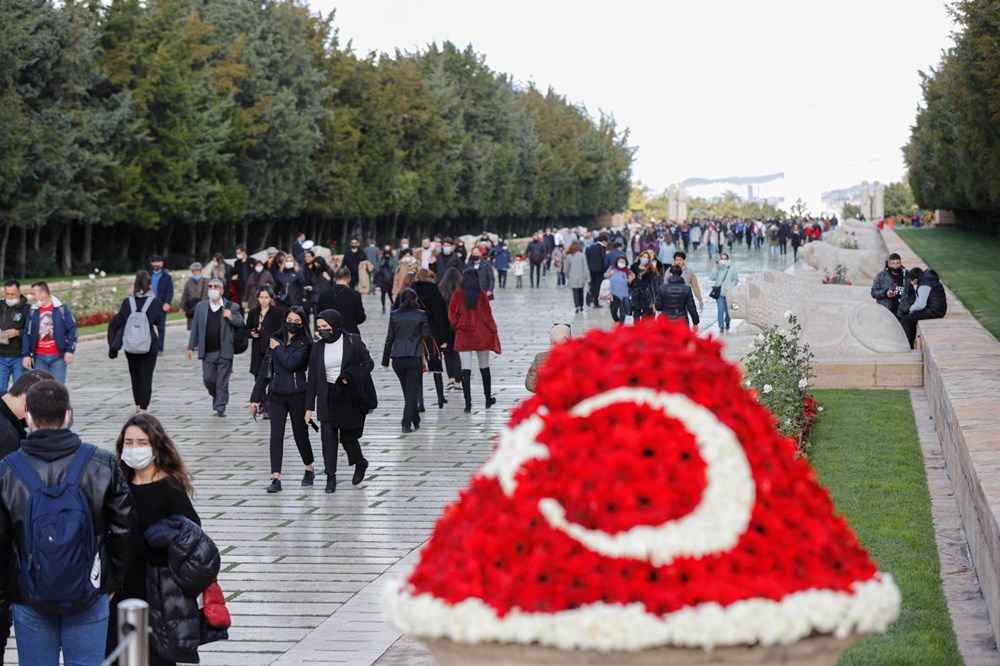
(715, 525)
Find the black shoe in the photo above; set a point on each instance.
(275, 486)
(441, 402)
(359, 472)
(490, 402)
(407, 429)
(468, 409)
(331, 483)
(416, 424)
(308, 477)
(221, 413)
(267, 416)
(421, 408)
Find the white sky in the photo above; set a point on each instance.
(824, 91)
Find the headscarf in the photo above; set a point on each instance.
(333, 318)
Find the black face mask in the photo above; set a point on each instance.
(329, 334)
(292, 327)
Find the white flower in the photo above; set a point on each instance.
(767, 388)
(103, 274)
(75, 283)
(751, 346)
(96, 269)
(819, 409)
(789, 314)
(114, 288)
(803, 383)
(788, 421)
(759, 340)
(747, 383)
(91, 276)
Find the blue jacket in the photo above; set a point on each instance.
(62, 322)
(501, 257)
(164, 286)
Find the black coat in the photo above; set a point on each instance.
(288, 287)
(407, 329)
(12, 430)
(289, 361)
(351, 261)
(596, 259)
(433, 304)
(50, 452)
(193, 564)
(273, 321)
(347, 302)
(675, 299)
(337, 408)
(116, 328)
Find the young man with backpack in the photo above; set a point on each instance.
(134, 330)
(67, 535)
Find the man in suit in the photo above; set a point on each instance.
(345, 300)
(597, 264)
(212, 335)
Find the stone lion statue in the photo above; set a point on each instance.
(862, 265)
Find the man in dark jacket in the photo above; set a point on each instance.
(212, 336)
(352, 261)
(930, 301)
(49, 451)
(12, 425)
(13, 314)
(536, 257)
(49, 337)
(163, 289)
(889, 285)
(345, 300)
(447, 259)
(597, 264)
(675, 299)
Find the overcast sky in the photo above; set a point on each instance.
(824, 91)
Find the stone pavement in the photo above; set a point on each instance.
(303, 570)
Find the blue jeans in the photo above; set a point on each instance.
(54, 363)
(720, 302)
(81, 636)
(10, 370)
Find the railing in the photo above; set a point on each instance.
(133, 635)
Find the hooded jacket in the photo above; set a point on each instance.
(172, 591)
(49, 452)
(64, 329)
(675, 300)
(475, 330)
(930, 298)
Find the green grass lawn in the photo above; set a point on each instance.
(967, 263)
(865, 450)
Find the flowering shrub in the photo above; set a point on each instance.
(839, 276)
(778, 367)
(94, 318)
(848, 243)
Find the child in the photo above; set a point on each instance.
(519, 270)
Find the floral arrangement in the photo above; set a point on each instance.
(778, 368)
(653, 504)
(94, 318)
(848, 243)
(839, 276)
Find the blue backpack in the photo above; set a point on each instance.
(59, 561)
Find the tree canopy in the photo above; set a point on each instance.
(184, 126)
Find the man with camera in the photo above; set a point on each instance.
(889, 286)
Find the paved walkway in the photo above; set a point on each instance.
(302, 569)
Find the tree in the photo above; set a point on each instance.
(850, 210)
(899, 200)
(799, 208)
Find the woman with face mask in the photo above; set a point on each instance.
(723, 276)
(161, 489)
(259, 277)
(341, 393)
(643, 285)
(141, 364)
(620, 277)
(288, 287)
(283, 374)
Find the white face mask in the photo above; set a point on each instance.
(621, 264)
(723, 262)
(258, 268)
(11, 302)
(137, 457)
(447, 249)
(289, 265)
(214, 294)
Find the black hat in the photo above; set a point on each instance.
(155, 257)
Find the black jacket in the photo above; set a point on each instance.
(273, 321)
(446, 261)
(288, 287)
(536, 251)
(172, 591)
(347, 302)
(596, 258)
(937, 301)
(288, 361)
(351, 261)
(407, 329)
(13, 317)
(433, 304)
(49, 452)
(340, 414)
(674, 297)
(12, 430)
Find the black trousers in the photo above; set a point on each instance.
(501, 279)
(909, 323)
(453, 363)
(411, 378)
(578, 296)
(535, 276)
(293, 405)
(595, 287)
(617, 313)
(332, 437)
(140, 370)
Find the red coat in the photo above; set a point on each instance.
(475, 330)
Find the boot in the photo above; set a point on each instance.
(467, 389)
(488, 387)
(439, 387)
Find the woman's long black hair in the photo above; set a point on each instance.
(471, 288)
(450, 283)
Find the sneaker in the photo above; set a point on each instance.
(308, 477)
(359, 472)
(331, 483)
(275, 486)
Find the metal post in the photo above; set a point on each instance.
(133, 624)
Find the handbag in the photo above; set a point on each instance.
(715, 292)
(267, 372)
(430, 359)
(214, 609)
